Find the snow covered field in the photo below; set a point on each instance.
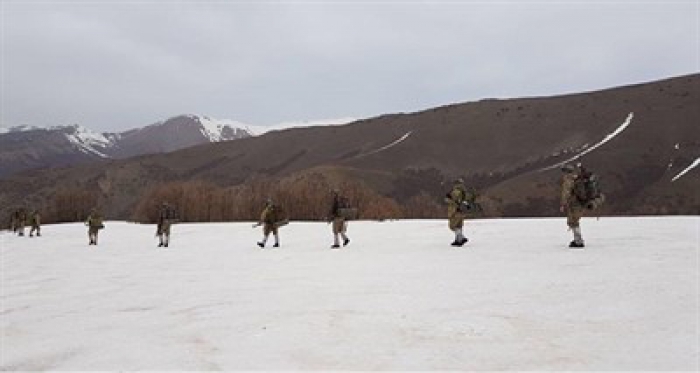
(399, 297)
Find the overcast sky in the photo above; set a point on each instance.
(113, 65)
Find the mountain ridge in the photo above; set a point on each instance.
(30, 147)
(642, 136)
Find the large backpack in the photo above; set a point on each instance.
(586, 187)
(345, 209)
(168, 214)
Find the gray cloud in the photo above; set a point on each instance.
(111, 66)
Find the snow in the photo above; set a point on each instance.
(398, 298)
(21, 128)
(86, 140)
(607, 138)
(262, 129)
(685, 171)
(213, 129)
(385, 147)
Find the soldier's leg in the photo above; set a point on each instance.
(460, 230)
(453, 223)
(573, 220)
(343, 230)
(166, 235)
(337, 227)
(266, 234)
(275, 232)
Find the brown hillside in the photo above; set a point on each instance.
(499, 146)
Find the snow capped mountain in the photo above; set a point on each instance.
(27, 147)
(217, 130)
(89, 142)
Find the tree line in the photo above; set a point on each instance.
(306, 197)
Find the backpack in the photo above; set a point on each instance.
(167, 214)
(345, 210)
(586, 187)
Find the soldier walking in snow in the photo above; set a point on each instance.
(338, 216)
(94, 223)
(579, 192)
(35, 221)
(166, 217)
(14, 220)
(271, 218)
(456, 211)
(20, 219)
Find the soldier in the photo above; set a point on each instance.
(271, 218)
(14, 220)
(21, 221)
(35, 221)
(570, 204)
(166, 217)
(456, 211)
(338, 218)
(94, 223)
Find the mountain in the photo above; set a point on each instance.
(641, 139)
(23, 148)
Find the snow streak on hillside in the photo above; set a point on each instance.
(692, 165)
(385, 147)
(607, 138)
(399, 297)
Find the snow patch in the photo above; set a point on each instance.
(607, 138)
(692, 166)
(213, 129)
(258, 130)
(22, 128)
(86, 141)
